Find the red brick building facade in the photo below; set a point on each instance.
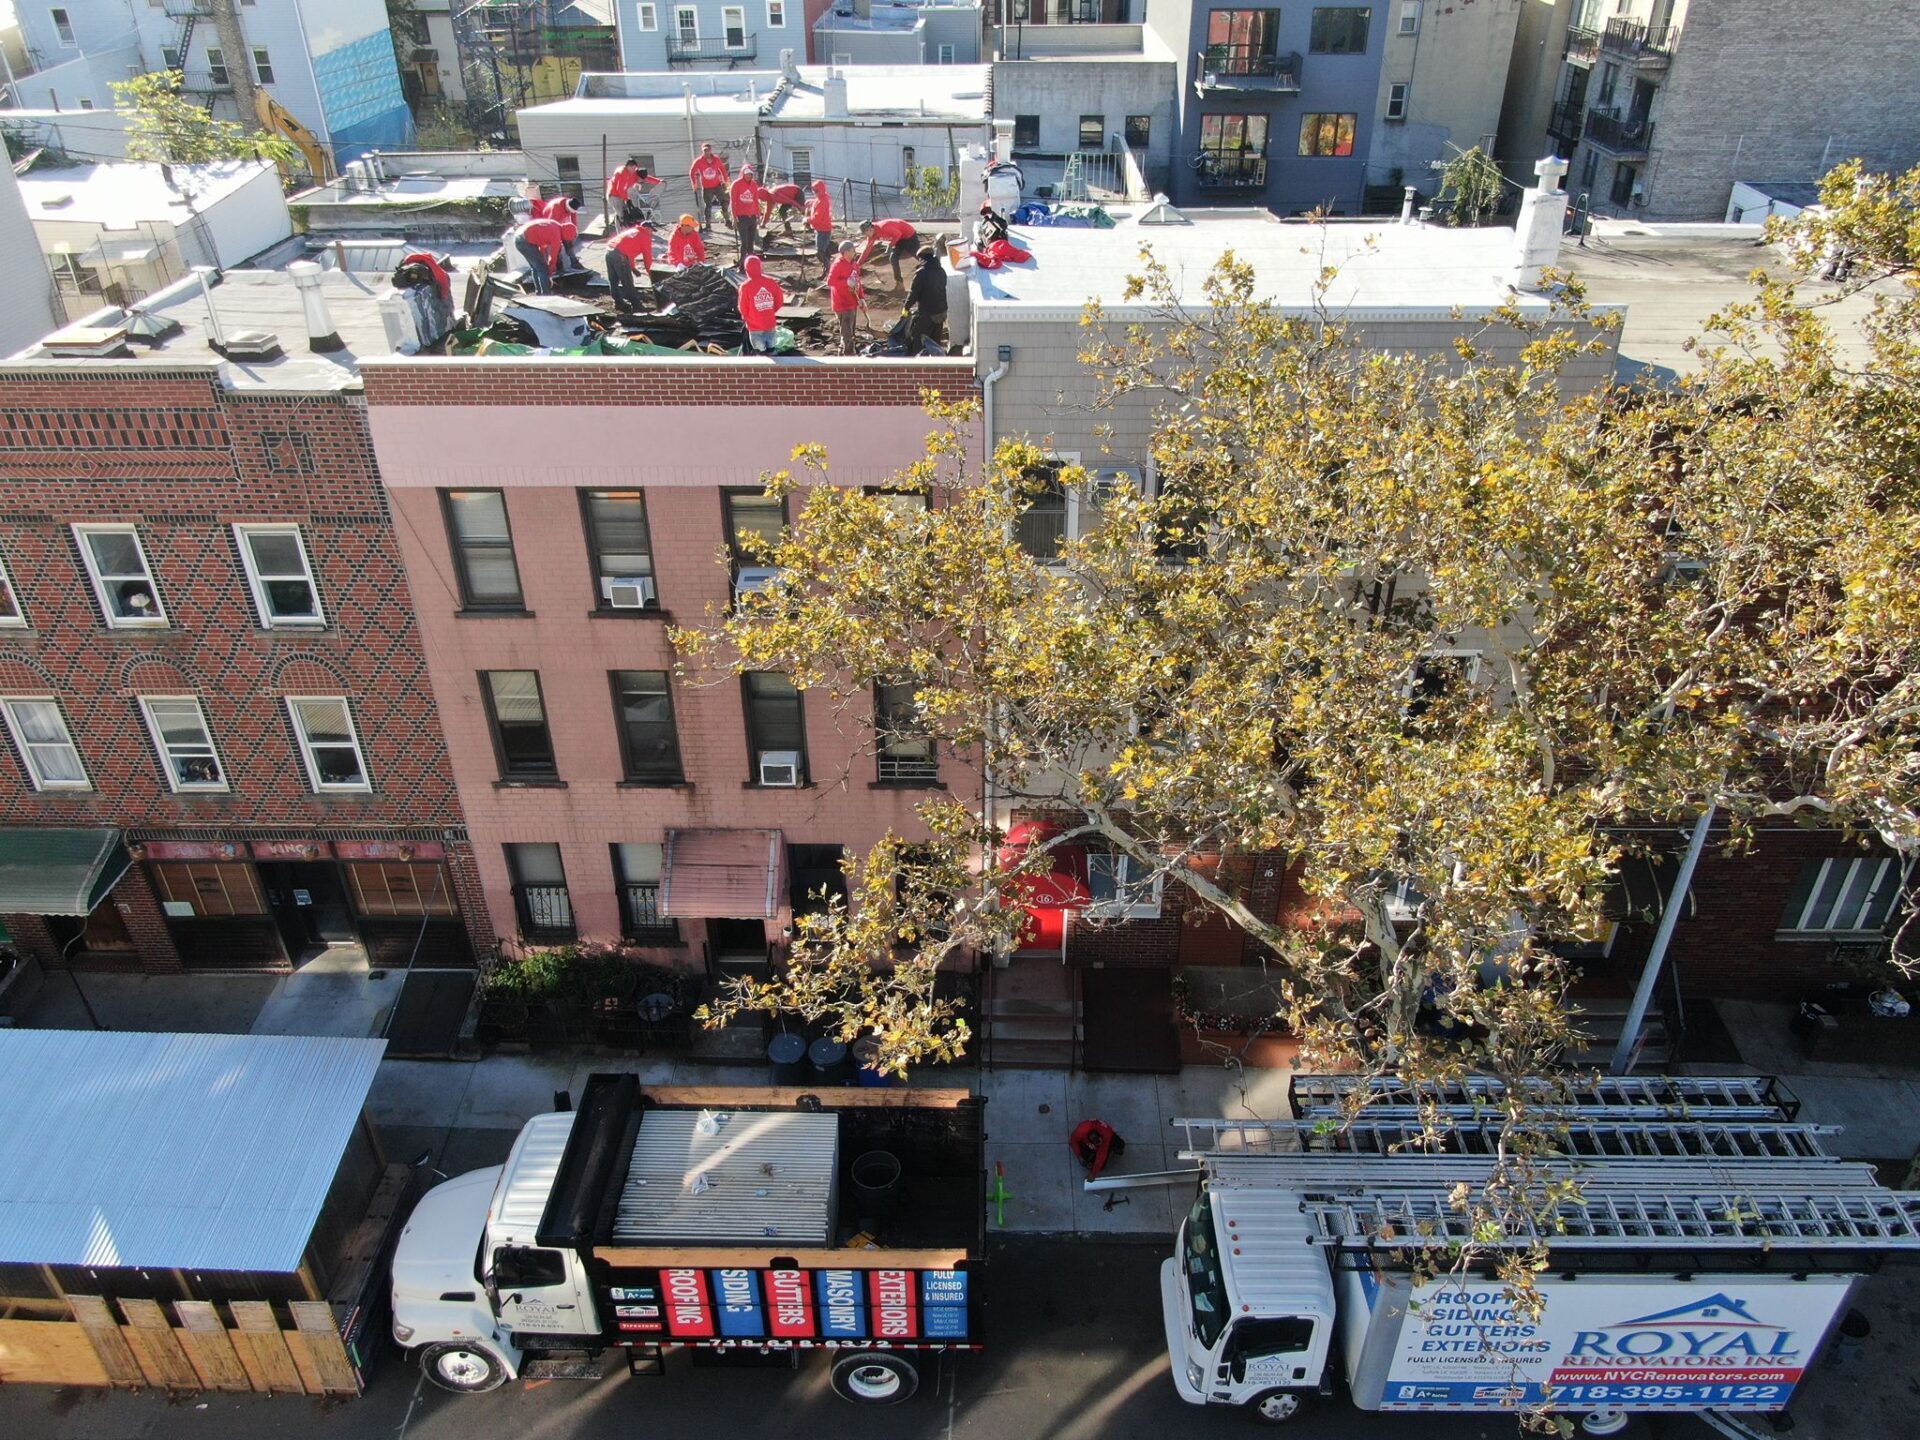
(209, 647)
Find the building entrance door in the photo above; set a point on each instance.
(309, 905)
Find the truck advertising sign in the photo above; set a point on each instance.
(797, 1307)
(1741, 1343)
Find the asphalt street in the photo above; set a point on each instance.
(1074, 1352)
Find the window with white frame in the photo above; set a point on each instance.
(649, 17)
(185, 744)
(686, 24)
(1087, 500)
(62, 26)
(262, 65)
(1122, 888)
(944, 56)
(328, 743)
(776, 14)
(122, 579)
(280, 575)
(46, 746)
(1439, 674)
(733, 26)
(1844, 896)
(10, 613)
(217, 66)
(1397, 94)
(1409, 17)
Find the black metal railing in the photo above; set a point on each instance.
(1639, 40)
(1583, 45)
(905, 766)
(683, 50)
(640, 917)
(1567, 123)
(1248, 67)
(1619, 134)
(1228, 170)
(546, 911)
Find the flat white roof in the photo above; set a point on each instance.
(1406, 271)
(933, 92)
(898, 18)
(172, 1152)
(123, 194)
(613, 107)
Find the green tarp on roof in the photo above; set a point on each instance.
(58, 872)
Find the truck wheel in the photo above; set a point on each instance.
(463, 1369)
(874, 1379)
(1276, 1407)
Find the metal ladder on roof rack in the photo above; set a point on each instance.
(1780, 1219)
(1640, 1138)
(1488, 1112)
(1691, 1092)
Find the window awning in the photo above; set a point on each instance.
(721, 874)
(58, 872)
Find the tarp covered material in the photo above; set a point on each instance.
(721, 874)
(58, 872)
(173, 1152)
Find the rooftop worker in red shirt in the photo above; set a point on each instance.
(901, 238)
(684, 246)
(538, 240)
(564, 212)
(786, 198)
(844, 290)
(820, 224)
(709, 176)
(629, 251)
(627, 189)
(745, 209)
(760, 300)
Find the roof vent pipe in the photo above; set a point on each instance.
(1543, 215)
(322, 338)
(216, 337)
(833, 93)
(789, 66)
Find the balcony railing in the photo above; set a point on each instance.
(1228, 170)
(1567, 123)
(1623, 135)
(1247, 67)
(546, 911)
(640, 916)
(684, 50)
(1648, 44)
(903, 766)
(1583, 45)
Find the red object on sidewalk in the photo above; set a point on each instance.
(1094, 1143)
(1000, 252)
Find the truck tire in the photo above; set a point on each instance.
(1277, 1407)
(463, 1369)
(874, 1378)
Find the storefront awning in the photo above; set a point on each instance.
(58, 872)
(721, 874)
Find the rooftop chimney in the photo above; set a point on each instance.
(322, 338)
(863, 8)
(1543, 215)
(834, 96)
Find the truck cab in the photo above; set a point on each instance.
(1248, 1304)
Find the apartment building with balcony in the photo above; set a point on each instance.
(331, 65)
(708, 34)
(1663, 105)
(556, 516)
(220, 752)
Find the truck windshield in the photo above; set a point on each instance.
(1205, 1283)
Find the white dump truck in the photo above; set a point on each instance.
(747, 1220)
(1703, 1266)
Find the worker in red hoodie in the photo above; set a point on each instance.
(684, 246)
(844, 290)
(785, 198)
(760, 300)
(745, 208)
(538, 240)
(564, 212)
(627, 189)
(901, 238)
(629, 252)
(709, 175)
(820, 223)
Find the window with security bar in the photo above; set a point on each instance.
(540, 897)
(906, 751)
(636, 869)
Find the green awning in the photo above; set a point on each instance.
(58, 872)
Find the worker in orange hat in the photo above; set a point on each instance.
(685, 246)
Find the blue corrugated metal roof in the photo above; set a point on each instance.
(188, 1152)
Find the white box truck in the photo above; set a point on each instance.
(1702, 1266)
(746, 1220)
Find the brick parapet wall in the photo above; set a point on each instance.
(647, 382)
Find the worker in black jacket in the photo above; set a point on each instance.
(927, 303)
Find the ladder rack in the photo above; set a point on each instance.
(1785, 1219)
(1577, 1137)
(1489, 1112)
(1682, 1092)
(1340, 1175)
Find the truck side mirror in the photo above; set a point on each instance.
(1237, 1366)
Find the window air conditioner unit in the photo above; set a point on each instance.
(627, 592)
(780, 767)
(753, 579)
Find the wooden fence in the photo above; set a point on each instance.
(202, 1346)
